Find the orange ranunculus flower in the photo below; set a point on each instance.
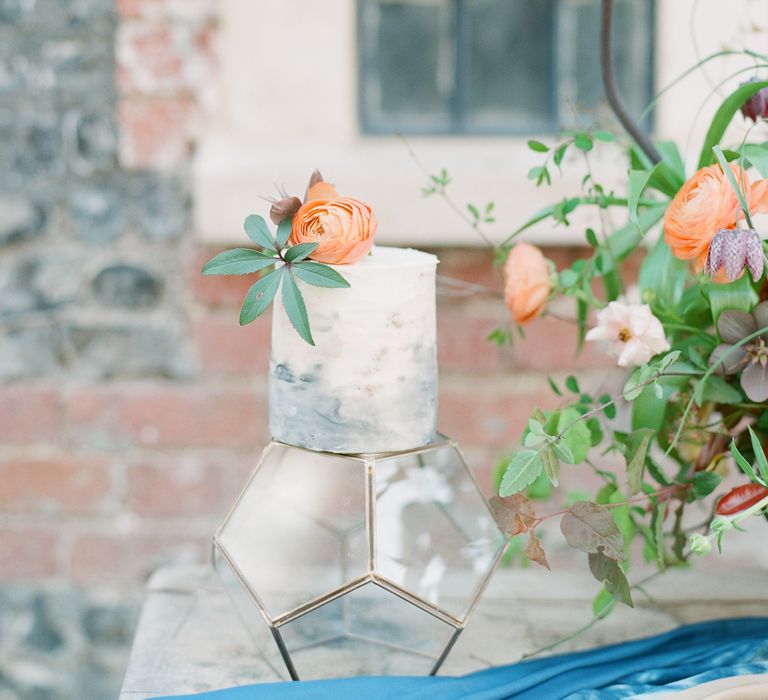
(705, 204)
(527, 282)
(343, 227)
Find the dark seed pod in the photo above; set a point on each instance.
(284, 209)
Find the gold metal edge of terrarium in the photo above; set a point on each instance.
(370, 515)
(480, 589)
(440, 441)
(262, 458)
(217, 544)
(426, 606)
(318, 602)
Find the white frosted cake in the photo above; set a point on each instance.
(370, 382)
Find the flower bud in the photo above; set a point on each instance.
(284, 209)
(700, 544)
(756, 107)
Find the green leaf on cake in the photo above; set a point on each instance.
(258, 232)
(283, 232)
(318, 275)
(293, 303)
(298, 252)
(260, 296)
(240, 261)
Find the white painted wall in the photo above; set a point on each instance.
(288, 104)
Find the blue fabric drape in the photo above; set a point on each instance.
(675, 660)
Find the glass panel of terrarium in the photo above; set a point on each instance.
(295, 531)
(435, 535)
(581, 96)
(407, 64)
(507, 63)
(368, 631)
(253, 620)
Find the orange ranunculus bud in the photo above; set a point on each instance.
(705, 204)
(342, 226)
(527, 282)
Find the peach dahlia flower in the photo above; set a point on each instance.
(342, 227)
(527, 282)
(705, 204)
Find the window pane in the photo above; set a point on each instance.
(509, 57)
(497, 66)
(582, 100)
(408, 64)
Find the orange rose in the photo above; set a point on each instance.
(527, 282)
(343, 227)
(705, 204)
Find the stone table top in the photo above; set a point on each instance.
(190, 639)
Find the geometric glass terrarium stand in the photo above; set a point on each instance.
(370, 564)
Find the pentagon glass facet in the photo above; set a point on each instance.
(346, 565)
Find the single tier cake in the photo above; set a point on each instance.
(370, 382)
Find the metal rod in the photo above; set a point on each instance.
(284, 653)
(370, 515)
(222, 550)
(445, 652)
(611, 91)
(318, 602)
(419, 602)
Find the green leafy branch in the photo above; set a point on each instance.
(562, 436)
(288, 264)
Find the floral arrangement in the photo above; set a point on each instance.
(324, 230)
(693, 338)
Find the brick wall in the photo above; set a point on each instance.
(132, 405)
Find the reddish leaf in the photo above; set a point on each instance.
(590, 528)
(741, 498)
(514, 514)
(534, 551)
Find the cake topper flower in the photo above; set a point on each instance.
(326, 229)
(342, 227)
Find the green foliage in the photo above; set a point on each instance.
(293, 303)
(289, 264)
(705, 483)
(239, 261)
(537, 146)
(637, 449)
(260, 296)
(725, 113)
(258, 232)
(522, 470)
(318, 275)
(734, 295)
(681, 403)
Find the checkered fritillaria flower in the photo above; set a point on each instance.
(734, 249)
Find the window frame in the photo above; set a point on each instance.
(461, 95)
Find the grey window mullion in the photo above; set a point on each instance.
(462, 87)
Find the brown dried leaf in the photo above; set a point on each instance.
(284, 209)
(514, 514)
(609, 573)
(534, 551)
(590, 528)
